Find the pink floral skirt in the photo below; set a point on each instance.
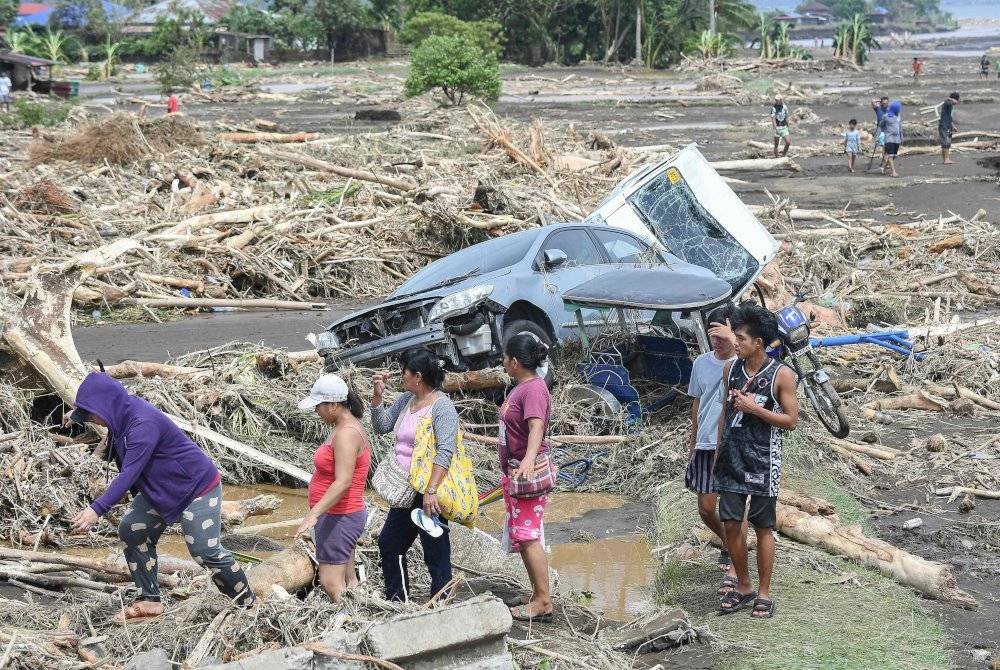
(524, 518)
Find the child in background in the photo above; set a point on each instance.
(173, 104)
(917, 65)
(852, 143)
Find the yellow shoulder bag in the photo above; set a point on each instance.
(457, 493)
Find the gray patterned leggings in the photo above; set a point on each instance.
(201, 522)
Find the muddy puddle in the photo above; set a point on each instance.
(611, 573)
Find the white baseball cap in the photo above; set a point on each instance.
(328, 388)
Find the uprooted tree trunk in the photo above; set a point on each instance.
(932, 579)
(235, 512)
(36, 331)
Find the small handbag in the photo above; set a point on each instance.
(390, 482)
(543, 480)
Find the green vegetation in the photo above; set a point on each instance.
(8, 11)
(456, 66)
(487, 35)
(774, 40)
(853, 41)
(28, 112)
(181, 70)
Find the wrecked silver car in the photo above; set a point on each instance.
(678, 214)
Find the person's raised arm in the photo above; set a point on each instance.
(384, 418)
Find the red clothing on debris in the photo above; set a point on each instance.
(173, 104)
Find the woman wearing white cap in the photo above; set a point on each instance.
(336, 490)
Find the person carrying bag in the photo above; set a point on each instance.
(421, 405)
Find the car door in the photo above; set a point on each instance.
(584, 260)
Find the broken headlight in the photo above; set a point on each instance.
(460, 302)
(327, 340)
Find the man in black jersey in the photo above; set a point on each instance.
(760, 405)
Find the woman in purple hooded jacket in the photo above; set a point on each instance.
(171, 479)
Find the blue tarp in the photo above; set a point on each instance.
(75, 17)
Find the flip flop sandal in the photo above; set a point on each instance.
(727, 585)
(516, 614)
(724, 560)
(736, 601)
(763, 609)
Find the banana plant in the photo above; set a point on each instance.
(22, 41)
(764, 29)
(53, 45)
(107, 66)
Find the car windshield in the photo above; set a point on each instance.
(690, 232)
(488, 256)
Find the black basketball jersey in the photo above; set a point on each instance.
(750, 453)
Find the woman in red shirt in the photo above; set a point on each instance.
(524, 422)
(336, 490)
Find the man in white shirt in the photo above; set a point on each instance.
(5, 86)
(705, 388)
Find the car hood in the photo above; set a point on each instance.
(422, 296)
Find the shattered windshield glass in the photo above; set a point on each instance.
(690, 232)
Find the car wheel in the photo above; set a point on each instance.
(522, 326)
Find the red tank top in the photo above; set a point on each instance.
(353, 500)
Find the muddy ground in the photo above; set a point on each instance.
(624, 105)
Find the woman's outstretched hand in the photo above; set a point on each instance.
(83, 521)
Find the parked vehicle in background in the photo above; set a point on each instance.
(678, 213)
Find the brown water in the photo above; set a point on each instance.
(611, 574)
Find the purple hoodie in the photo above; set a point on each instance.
(154, 456)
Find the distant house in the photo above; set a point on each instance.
(791, 18)
(814, 13)
(27, 72)
(878, 15)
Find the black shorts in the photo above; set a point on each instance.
(944, 138)
(891, 148)
(698, 476)
(763, 509)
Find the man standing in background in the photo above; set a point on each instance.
(947, 127)
(5, 87)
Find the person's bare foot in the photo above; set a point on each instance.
(948, 163)
(534, 609)
(141, 609)
(895, 174)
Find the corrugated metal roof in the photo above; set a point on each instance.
(26, 8)
(212, 10)
(23, 59)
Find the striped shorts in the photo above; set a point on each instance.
(699, 477)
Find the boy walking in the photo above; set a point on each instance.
(852, 143)
(705, 388)
(779, 122)
(760, 405)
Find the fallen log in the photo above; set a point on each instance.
(874, 452)
(961, 392)
(809, 504)
(235, 512)
(83, 562)
(130, 369)
(950, 242)
(954, 492)
(253, 138)
(196, 285)
(57, 581)
(885, 381)
(795, 214)
(191, 303)
(291, 569)
(863, 467)
(557, 439)
(756, 165)
(323, 166)
(195, 223)
(918, 400)
(476, 380)
(932, 579)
